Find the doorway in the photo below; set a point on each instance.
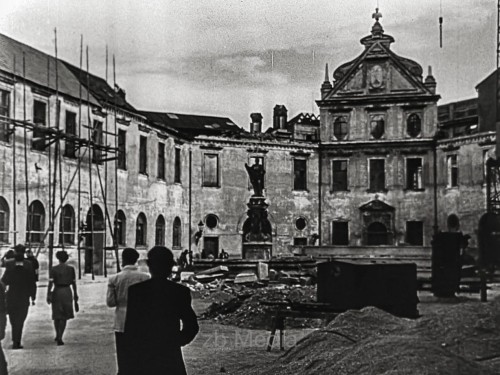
(211, 247)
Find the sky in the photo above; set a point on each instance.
(234, 57)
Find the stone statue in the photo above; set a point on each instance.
(256, 173)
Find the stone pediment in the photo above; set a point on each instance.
(376, 206)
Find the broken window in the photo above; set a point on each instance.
(299, 174)
(140, 230)
(35, 224)
(177, 166)
(70, 146)
(299, 241)
(339, 175)
(161, 161)
(176, 233)
(67, 226)
(414, 174)
(377, 126)
(160, 231)
(415, 233)
(377, 174)
(340, 233)
(340, 128)
(39, 119)
(122, 149)
(98, 142)
(452, 170)
(4, 221)
(4, 115)
(143, 155)
(121, 228)
(413, 125)
(211, 170)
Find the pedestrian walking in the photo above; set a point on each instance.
(116, 297)
(62, 278)
(155, 310)
(34, 262)
(21, 287)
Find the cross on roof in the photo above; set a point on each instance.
(377, 15)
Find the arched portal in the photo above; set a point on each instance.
(94, 240)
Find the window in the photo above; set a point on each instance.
(176, 233)
(377, 234)
(40, 119)
(70, 148)
(211, 170)
(160, 231)
(177, 166)
(35, 226)
(254, 160)
(4, 221)
(300, 223)
(414, 174)
(140, 230)
(67, 226)
(339, 175)
(340, 233)
(4, 115)
(299, 241)
(415, 233)
(377, 126)
(413, 125)
(160, 174)
(340, 128)
(211, 221)
(299, 174)
(98, 142)
(122, 149)
(452, 165)
(143, 155)
(377, 174)
(121, 228)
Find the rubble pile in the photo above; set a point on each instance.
(457, 339)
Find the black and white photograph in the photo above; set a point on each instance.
(249, 187)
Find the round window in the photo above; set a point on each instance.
(300, 223)
(211, 221)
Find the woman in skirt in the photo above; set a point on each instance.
(62, 277)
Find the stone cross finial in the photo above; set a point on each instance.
(377, 15)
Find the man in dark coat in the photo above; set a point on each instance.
(155, 310)
(19, 278)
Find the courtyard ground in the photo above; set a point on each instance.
(89, 340)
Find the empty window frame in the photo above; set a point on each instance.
(160, 231)
(141, 230)
(413, 125)
(97, 139)
(211, 170)
(122, 149)
(160, 174)
(121, 228)
(415, 233)
(414, 174)
(340, 233)
(340, 128)
(4, 116)
(176, 233)
(4, 221)
(254, 160)
(35, 225)
(339, 175)
(377, 126)
(300, 174)
(39, 119)
(377, 174)
(67, 226)
(452, 167)
(143, 154)
(69, 145)
(177, 165)
(299, 241)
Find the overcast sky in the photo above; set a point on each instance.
(213, 57)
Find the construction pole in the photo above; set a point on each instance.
(90, 148)
(50, 148)
(29, 218)
(79, 209)
(14, 188)
(115, 231)
(105, 251)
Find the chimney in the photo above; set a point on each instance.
(430, 82)
(256, 124)
(326, 87)
(280, 117)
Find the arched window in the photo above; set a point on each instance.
(140, 230)
(340, 128)
(377, 126)
(176, 233)
(35, 226)
(4, 221)
(67, 226)
(121, 228)
(160, 231)
(413, 125)
(377, 234)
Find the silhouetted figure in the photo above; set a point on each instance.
(256, 174)
(117, 297)
(223, 254)
(155, 310)
(3, 323)
(8, 256)
(34, 262)
(19, 278)
(62, 277)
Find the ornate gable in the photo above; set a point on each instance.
(376, 206)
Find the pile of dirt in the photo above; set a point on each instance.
(458, 339)
(242, 306)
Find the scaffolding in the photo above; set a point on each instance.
(89, 149)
